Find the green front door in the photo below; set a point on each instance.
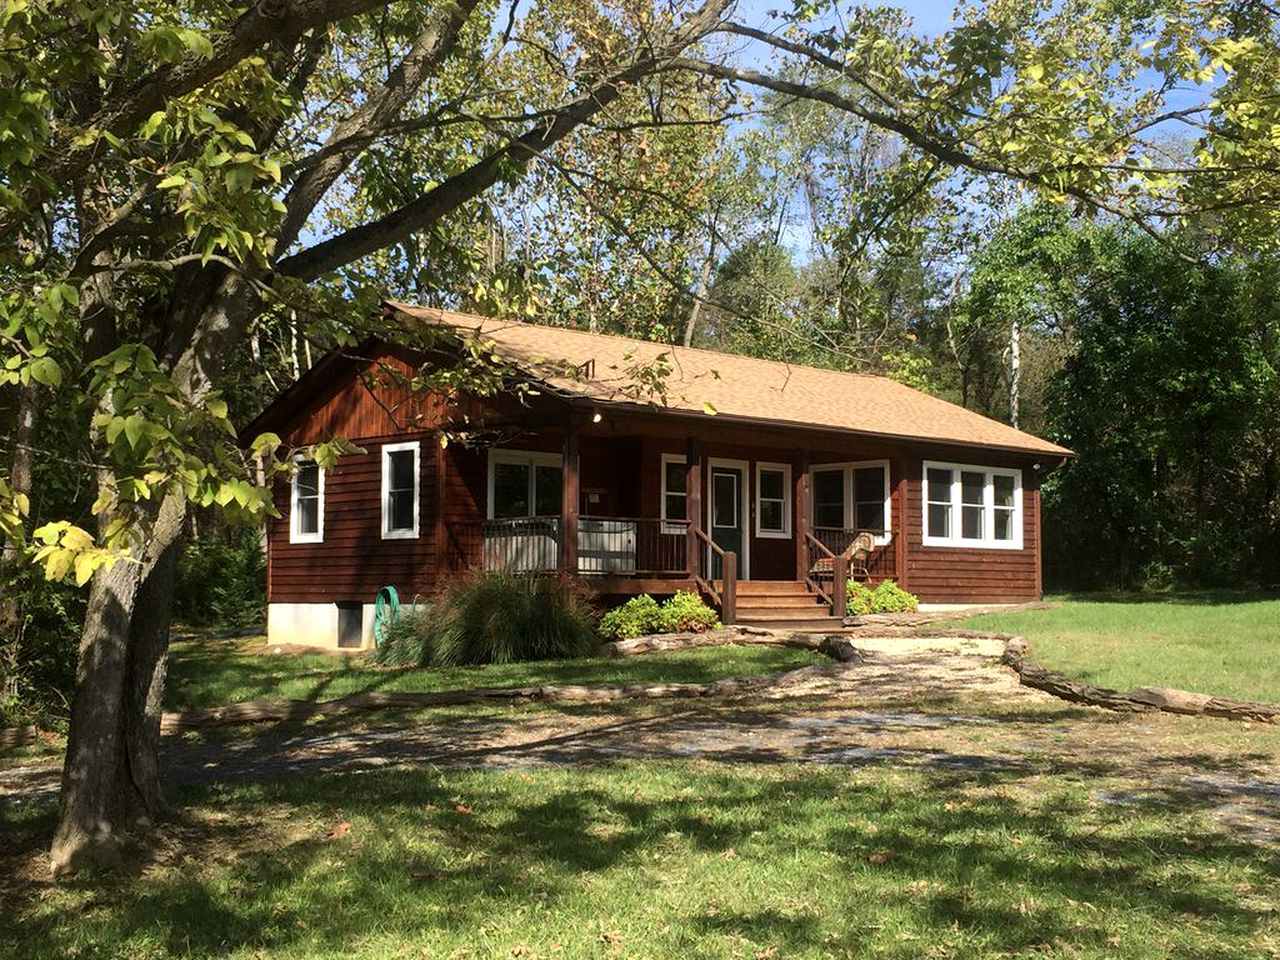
(726, 515)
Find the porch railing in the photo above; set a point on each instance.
(606, 545)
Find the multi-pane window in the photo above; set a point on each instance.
(525, 485)
(306, 514)
(400, 490)
(852, 496)
(675, 493)
(969, 506)
(773, 500)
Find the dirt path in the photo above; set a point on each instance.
(942, 706)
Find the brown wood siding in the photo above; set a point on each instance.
(620, 477)
(964, 574)
(354, 561)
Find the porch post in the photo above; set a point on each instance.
(693, 503)
(800, 500)
(569, 499)
(444, 551)
(899, 523)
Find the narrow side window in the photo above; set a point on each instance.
(400, 491)
(306, 509)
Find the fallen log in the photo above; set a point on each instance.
(798, 682)
(1141, 700)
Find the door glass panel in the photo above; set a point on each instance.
(828, 498)
(510, 490)
(549, 482)
(724, 500)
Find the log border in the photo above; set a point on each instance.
(1140, 700)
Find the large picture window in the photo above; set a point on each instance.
(306, 504)
(969, 506)
(400, 473)
(853, 496)
(524, 484)
(773, 500)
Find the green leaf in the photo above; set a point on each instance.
(134, 428)
(46, 370)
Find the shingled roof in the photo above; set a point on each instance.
(601, 368)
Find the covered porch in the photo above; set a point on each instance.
(711, 524)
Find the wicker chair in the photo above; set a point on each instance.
(856, 554)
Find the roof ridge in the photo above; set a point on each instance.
(482, 318)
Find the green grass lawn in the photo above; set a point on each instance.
(672, 860)
(1228, 647)
(205, 672)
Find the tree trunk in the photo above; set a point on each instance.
(11, 614)
(111, 776)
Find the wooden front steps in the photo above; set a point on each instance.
(782, 605)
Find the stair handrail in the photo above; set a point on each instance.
(837, 599)
(727, 598)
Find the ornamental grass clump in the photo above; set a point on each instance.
(498, 617)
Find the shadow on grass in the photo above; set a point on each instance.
(683, 860)
(1216, 597)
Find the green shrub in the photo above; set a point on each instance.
(499, 617)
(861, 599)
(687, 613)
(888, 597)
(642, 615)
(638, 617)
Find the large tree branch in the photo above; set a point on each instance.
(432, 46)
(954, 154)
(121, 115)
(447, 197)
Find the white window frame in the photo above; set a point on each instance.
(529, 458)
(850, 514)
(387, 450)
(785, 470)
(672, 526)
(296, 536)
(988, 541)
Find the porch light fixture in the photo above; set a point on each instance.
(597, 417)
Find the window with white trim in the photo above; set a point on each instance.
(675, 493)
(972, 506)
(852, 496)
(773, 500)
(524, 483)
(400, 482)
(306, 504)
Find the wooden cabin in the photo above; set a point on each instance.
(639, 467)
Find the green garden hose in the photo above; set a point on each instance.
(386, 614)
